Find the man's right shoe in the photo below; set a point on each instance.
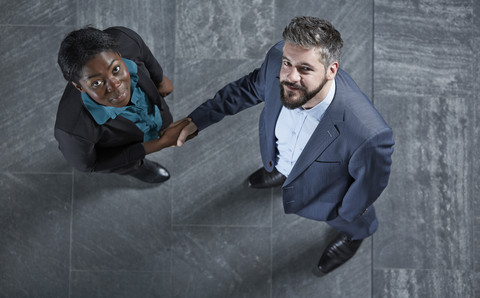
(340, 250)
(150, 172)
(264, 179)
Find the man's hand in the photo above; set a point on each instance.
(168, 138)
(188, 132)
(170, 135)
(165, 87)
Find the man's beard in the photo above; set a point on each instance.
(303, 97)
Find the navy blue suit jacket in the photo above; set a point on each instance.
(346, 163)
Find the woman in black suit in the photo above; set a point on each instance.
(112, 112)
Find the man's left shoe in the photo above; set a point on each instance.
(340, 250)
(263, 179)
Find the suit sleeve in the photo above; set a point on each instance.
(234, 97)
(370, 168)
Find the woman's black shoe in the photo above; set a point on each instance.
(150, 172)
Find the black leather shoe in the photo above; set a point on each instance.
(150, 172)
(264, 179)
(340, 250)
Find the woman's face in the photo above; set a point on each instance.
(105, 78)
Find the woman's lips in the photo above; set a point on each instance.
(120, 98)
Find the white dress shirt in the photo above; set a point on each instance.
(293, 130)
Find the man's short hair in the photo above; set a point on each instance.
(312, 32)
(79, 47)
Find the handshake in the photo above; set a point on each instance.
(175, 135)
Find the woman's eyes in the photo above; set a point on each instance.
(96, 84)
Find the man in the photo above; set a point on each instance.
(321, 139)
(112, 110)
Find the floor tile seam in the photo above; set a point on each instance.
(218, 226)
(424, 269)
(271, 242)
(36, 173)
(119, 271)
(70, 243)
(36, 25)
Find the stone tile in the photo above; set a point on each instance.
(211, 187)
(476, 142)
(35, 212)
(214, 166)
(476, 284)
(221, 262)
(353, 19)
(153, 20)
(200, 79)
(423, 283)
(120, 223)
(225, 203)
(33, 90)
(32, 12)
(120, 284)
(410, 38)
(223, 29)
(425, 214)
(297, 244)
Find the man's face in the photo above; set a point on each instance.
(302, 77)
(105, 78)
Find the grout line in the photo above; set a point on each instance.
(36, 25)
(423, 269)
(37, 173)
(271, 243)
(373, 52)
(372, 272)
(121, 271)
(71, 239)
(218, 226)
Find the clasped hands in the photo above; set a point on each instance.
(175, 135)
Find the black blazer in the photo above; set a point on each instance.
(117, 144)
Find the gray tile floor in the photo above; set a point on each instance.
(204, 233)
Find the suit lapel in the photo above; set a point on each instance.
(327, 130)
(325, 133)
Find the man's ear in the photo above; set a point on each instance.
(78, 87)
(332, 70)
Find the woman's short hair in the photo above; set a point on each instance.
(79, 47)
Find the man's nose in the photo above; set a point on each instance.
(293, 75)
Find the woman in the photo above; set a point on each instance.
(112, 111)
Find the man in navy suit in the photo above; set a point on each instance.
(321, 138)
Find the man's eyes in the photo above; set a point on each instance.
(116, 69)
